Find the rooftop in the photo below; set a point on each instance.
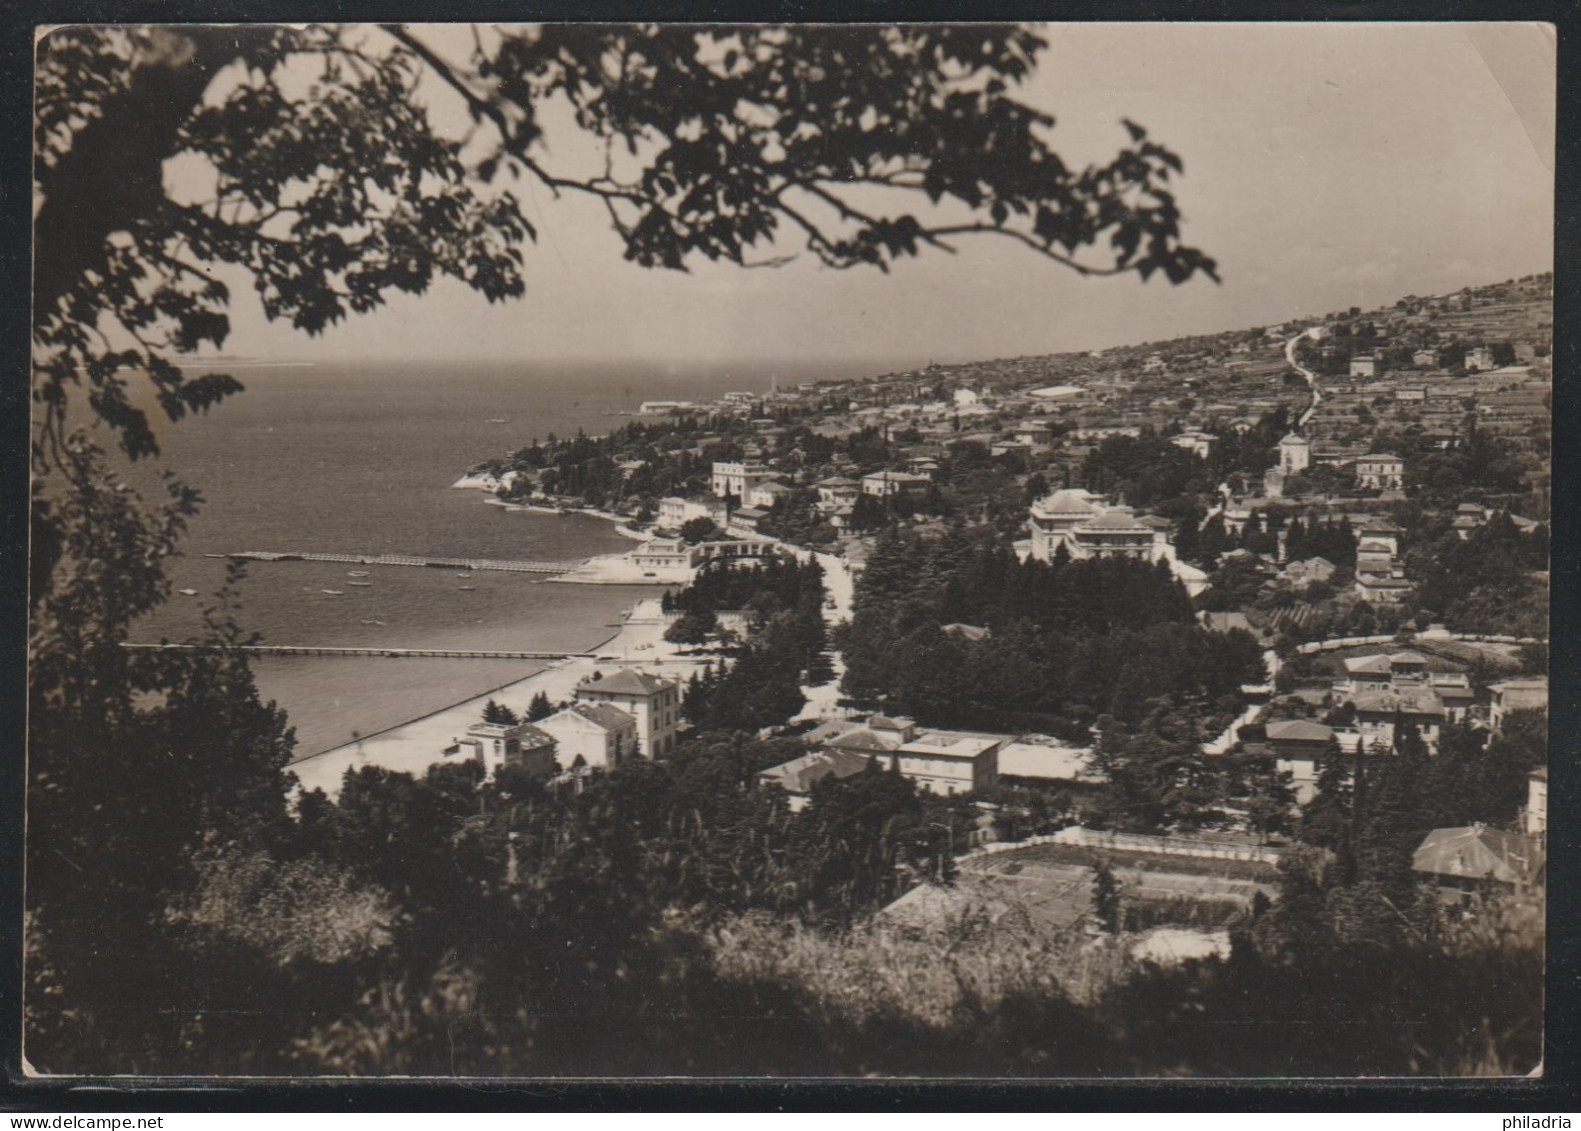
(1298, 730)
(600, 714)
(627, 683)
(1478, 852)
(799, 774)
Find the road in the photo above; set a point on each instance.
(1313, 332)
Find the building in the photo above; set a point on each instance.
(1383, 588)
(1380, 472)
(1479, 359)
(745, 520)
(1199, 444)
(1464, 863)
(1468, 517)
(653, 701)
(675, 512)
(765, 495)
(664, 408)
(1380, 532)
(1298, 748)
(1038, 437)
(495, 745)
(1378, 713)
(1425, 359)
(799, 775)
(1364, 365)
(592, 734)
(1309, 572)
(887, 484)
(951, 762)
(1295, 453)
(1090, 526)
(837, 491)
(940, 761)
(737, 479)
(665, 554)
(1516, 695)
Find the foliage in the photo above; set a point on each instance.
(1068, 640)
(700, 529)
(692, 627)
(762, 687)
(500, 714)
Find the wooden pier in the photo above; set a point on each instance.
(391, 653)
(409, 560)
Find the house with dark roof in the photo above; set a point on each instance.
(653, 701)
(1478, 860)
(1516, 695)
(1380, 713)
(799, 775)
(1298, 747)
(939, 761)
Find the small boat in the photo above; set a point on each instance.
(466, 588)
(188, 592)
(464, 573)
(499, 420)
(361, 584)
(333, 592)
(377, 622)
(356, 573)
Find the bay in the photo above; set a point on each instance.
(360, 459)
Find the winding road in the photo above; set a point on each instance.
(1313, 332)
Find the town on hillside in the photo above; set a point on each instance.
(1150, 641)
(542, 567)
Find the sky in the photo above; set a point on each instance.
(1326, 165)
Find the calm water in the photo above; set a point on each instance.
(361, 460)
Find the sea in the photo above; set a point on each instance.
(361, 458)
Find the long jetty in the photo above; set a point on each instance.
(409, 560)
(393, 653)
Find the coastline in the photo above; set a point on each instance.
(619, 520)
(411, 747)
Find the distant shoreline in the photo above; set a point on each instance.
(619, 520)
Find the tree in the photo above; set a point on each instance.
(499, 714)
(539, 707)
(330, 189)
(1106, 900)
(700, 529)
(692, 627)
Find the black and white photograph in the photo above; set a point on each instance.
(945, 551)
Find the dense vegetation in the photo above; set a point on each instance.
(762, 685)
(1067, 641)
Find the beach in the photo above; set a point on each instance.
(413, 746)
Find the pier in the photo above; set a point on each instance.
(409, 560)
(391, 653)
